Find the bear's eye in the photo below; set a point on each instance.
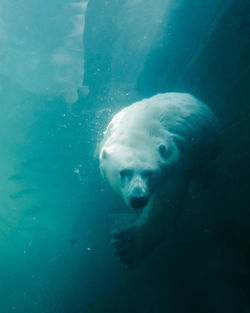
(147, 174)
(164, 152)
(126, 173)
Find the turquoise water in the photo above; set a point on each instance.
(65, 69)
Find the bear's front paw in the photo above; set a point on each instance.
(127, 243)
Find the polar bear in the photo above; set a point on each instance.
(150, 153)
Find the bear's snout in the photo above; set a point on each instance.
(138, 202)
(138, 193)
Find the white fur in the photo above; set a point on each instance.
(179, 121)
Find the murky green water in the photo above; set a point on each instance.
(65, 69)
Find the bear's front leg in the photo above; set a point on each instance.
(135, 242)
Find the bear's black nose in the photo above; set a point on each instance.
(138, 202)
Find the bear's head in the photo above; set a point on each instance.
(135, 171)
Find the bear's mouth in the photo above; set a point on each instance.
(139, 202)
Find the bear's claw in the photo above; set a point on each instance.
(127, 246)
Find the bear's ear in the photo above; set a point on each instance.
(164, 152)
(104, 155)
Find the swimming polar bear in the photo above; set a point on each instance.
(150, 153)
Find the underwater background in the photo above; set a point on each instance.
(65, 69)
